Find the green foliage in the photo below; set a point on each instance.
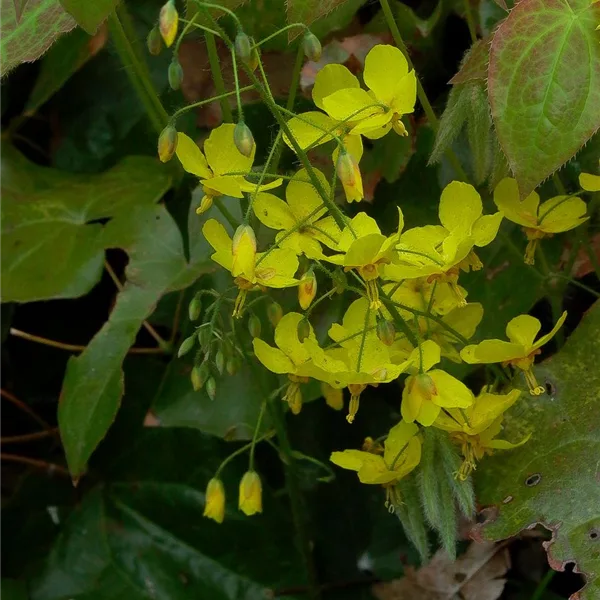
(552, 479)
(89, 15)
(29, 29)
(545, 64)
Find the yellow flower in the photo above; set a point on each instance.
(301, 220)
(214, 507)
(475, 427)
(365, 249)
(427, 391)
(250, 270)
(250, 499)
(402, 453)
(439, 252)
(220, 157)
(588, 181)
(392, 93)
(334, 397)
(168, 22)
(290, 357)
(556, 215)
(520, 351)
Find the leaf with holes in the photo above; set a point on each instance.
(28, 34)
(544, 85)
(553, 478)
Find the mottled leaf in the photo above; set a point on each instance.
(544, 85)
(26, 38)
(553, 478)
(88, 14)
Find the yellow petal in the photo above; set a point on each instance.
(561, 213)
(451, 392)
(488, 407)
(226, 185)
(492, 351)
(504, 445)
(465, 319)
(523, 330)
(222, 154)
(326, 231)
(460, 207)
(334, 397)
(448, 422)
(411, 402)
(349, 459)
(353, 145)
(486, 229)
(277, 268)
(303, 198)
(384, 66)
(286, 338)
(589, 182)
(362, 225)
(364, 250)
(425, 356)
(273, 212)
(330, 79)
(428, 413)
(351, 105)
(405, 95)
(409, 459)
(219, 239)
(397, 439)
(250, 186)
(507, 199)
(310, 129)
(272, 358)
(191, 157)
(546, 338)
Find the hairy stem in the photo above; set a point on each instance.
(215, 67)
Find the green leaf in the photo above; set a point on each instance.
(544, 85)
(26, 38)
(157, 265)
(480, 134)
(308, 11)
(553, 478)
(475, 63)
(88, 14)
(52, 242)
(68, 55)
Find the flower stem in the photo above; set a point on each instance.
(185, 109)
(215, 67)
(137, 70)
(470, 20)
(225, 212)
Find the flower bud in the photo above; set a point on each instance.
(312, 46)
(211, 388)
(233, 365)
(274, 313)
(303, 329)
(307, 289)
(199, 376)
(349, 173)
(293, 397)
(220, 361)
(254, 57)
(254, 326)
(243, 47)
(186, 345)
(243, 139)
(154, 41)
(167, 143)
(204, 337)
(243, 248)
(214, 507)
(250, 498)
(168, 21)
(386, 332)
(340, 281)
(334, 397)
(175, 74)
(205, 204)
(195, 308)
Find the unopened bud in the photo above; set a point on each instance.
(233, 365)
(386, 332)
(303, 329)
(195, 307)
(205, 204)
(211, 388)
(254, 57)
(243, 248)
(243, 47)
(167, 143)
(349, 173)
(220, 361)
(254, 326)
(154, 41)
(243, 139)
(250, 497)
(312, 46)
(199, 375)
(214, 507)
(175, 74)
(274, 313)
(186, 345)
(168, 22)
(307, 289)
(204, 337)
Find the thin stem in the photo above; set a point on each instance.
(542, 585)
(279, 31)
(73, 347)
(164, 346)
(221, 8)
(215, 67)
(225, 212)
(25, 408)
(28, 437)
(255, 436)
(236, 81)
(241, 450)
(192, 23)
(423, 99)
(185, 109)
(470, 21)
(558, 184)
(32, 462)
(577, 284)
(137, 71)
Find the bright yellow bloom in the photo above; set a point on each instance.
(588, 181)
(334, 397)
(475, 427)
(250, 499)
(427, 391)
(301, 220)
(520, 352)
(214, 507)
(291, 357)
(365, 249)
(250, 270)
(556, 215)
(220, 157)
(402, 453)
(168, 22)
(392, 93)
(439, 252)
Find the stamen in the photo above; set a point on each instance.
(353, 408)
(535, 389)
(238, 307)
(530, 252)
